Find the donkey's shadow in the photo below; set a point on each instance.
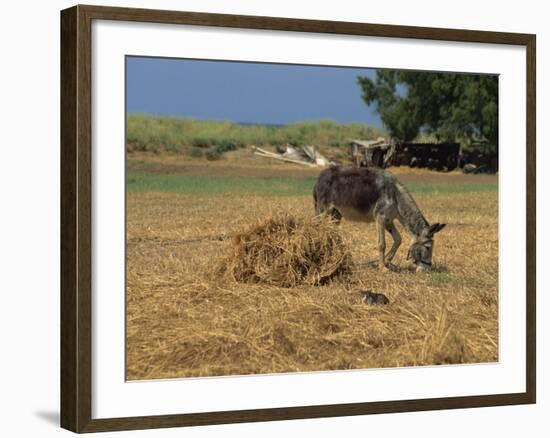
(374, 264)
(440, 269)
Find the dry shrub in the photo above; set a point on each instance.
(287, 251)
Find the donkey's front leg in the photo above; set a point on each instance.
(380, 227)
(390, 226)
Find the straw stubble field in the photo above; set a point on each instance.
(187, 318)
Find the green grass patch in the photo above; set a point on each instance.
(443, 278)
(452, 188)
(211, 185)
(276, 186)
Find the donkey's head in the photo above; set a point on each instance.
(422, 248)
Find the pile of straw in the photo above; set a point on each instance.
(287, 251)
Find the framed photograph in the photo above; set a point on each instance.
(269, 218)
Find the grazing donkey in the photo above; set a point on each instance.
(374, 195)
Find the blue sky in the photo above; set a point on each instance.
(246, 92)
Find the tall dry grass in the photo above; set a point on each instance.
(287, 251)
(158, 134)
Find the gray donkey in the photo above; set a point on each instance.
(374, 195)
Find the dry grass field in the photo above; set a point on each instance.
(186, 319)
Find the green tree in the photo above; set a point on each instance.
(451, 106)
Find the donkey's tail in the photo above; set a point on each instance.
(315, 203)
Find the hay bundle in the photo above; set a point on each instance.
(287, 251)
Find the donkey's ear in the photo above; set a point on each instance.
(435, 228)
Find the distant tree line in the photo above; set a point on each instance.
(450, 106)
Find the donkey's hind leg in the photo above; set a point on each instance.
(392, 229)
(331, 211)
(335, 214)
(380, 220)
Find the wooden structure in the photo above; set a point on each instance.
(382, 153)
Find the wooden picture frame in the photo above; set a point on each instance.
(76, 218)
